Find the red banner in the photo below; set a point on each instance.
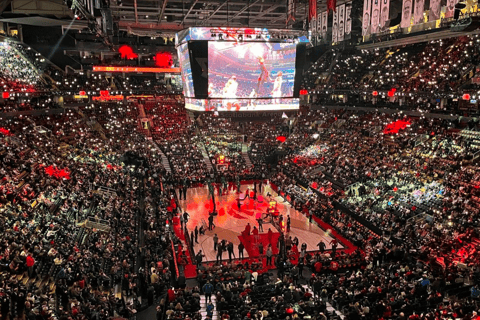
(312, 10)
(331, 5)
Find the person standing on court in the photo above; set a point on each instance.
(260, 225)
(260, 249)
(270, 235)
(240, 250)
(321, 246)
(255, 233)
(230, 251)
(210, 222)
(269, 255)
(199, 258)
(182, 221)
(220, 252)
(215, 242)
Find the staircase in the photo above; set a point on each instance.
(201, 146)
(203, 307)
(165, 162)
(330, 310)
(245, 155)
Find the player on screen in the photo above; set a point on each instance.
(251, 101)
(277, 87)
(230, 92)
(264, 75)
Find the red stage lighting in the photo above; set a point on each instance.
(375, 93)
(466, 96)
(82, 93)
(104, 93)
(391, 93)
(163, 59)
(6, 95)
(303, 92)
(126, 52)
(281, 138)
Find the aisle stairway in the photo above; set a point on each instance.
(205, 156)
(165, 162)
(331, 310)
(245, 155)
(203, 305)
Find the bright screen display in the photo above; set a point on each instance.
(251, 69)
(242, 104)
(186, 70)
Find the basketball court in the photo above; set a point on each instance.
(230, 221)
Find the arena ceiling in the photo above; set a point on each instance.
(173, 15)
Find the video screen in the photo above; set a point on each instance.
(242, 104)
(186, 70)
(251, 70)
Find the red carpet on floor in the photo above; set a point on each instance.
(251, 245)
(190, 269)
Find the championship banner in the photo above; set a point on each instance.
(406, 13)
(418, 11)
(450, 8)
(341, 22)
(348, 22)
(375, 15)
(435, 9)
(367, 10)
(324, 24)
(335, 27)
(313, 27)
(385, 14)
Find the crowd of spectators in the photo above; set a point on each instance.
(352, 168)
(56, 170)
(419, 73)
